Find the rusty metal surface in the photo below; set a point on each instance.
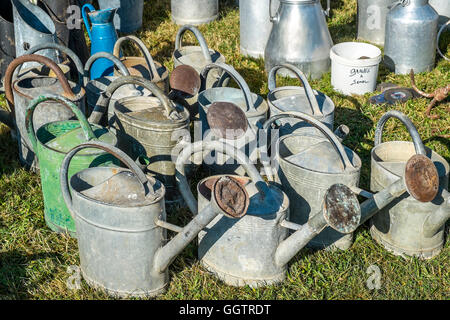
(421, 178)
(342, 210)
(231, 196)
(227, 120)
(185, 80)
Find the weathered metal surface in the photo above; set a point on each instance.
(300, 37)
(129, 14)
(421, 178)
(185, 81)
(7, 43)
(399, 226)
(51, 142)
(372, 20)
(227, 120)
(122, 246)
(409, 44)
(194, 12)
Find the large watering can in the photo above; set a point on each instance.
(150, 126)
(103, 36)
(7, 43)
(51, 142)
(19, 94)
(194, 12)
(120, 219)
(300, 37)
(129, 14)
(372, 19)
(302, 99)
(407, 226)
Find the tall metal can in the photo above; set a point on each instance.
(372, 19)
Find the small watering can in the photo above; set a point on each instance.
(306, 100)
(145, 66)
(19, 94)
(129, 14)
(300, 36)
(408, 227)
(150, 126)
(194, 12)
(372, 19)
(121, 220)
(103, 36)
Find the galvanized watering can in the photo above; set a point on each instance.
(150, 126)
(302, 99)
(408, 227)
(103, 36)
(145, 66)
(7, 43)
(129, 14)
(121, 220)
(194, 12)
(442, 7)
(300, 37)
(372, 19)
(410, 44)
(19, 94)
(51, 142)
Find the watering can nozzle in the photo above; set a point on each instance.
(421, 178)
(185, 80)
(230, 197)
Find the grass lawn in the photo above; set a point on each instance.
(34, 260)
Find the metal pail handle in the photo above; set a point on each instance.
(106, 55)
(198, 35)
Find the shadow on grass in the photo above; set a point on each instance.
(9, 160)
(155, 13)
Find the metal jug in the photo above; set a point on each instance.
(255, 26)
(300, 37)
(407, 226)
(411, 29)
(194, 12)
(51, 143)
(442, 7)
(303, 99)
(32, 26)
(145, 66)
(372, 20)
(7, 42)
(20, 92)
(103, 36)
(150, 126)
(121, 220)
(129, 14)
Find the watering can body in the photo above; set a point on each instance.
(442, 7)
(300, 37)
(103, 36)
(129, 14)
(7, 38)
(194, 12)
(410, 43)
(372, 20)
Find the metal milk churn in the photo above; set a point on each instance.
(149, 126)
(51, 142)
(7, 43)
(255, 25)
(20, 92)
(411, 29)
(145, 66)
(407, 226)
(300, 37)
(129, 14)
(303, 99)
(32, 26)
(372, 19)
(121, 224)
(442, 7)
(103, 36)
(194, 12)
(307, 166)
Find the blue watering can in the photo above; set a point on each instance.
(103, 36)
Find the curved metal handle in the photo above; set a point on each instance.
(42, 60)
(439, 36)
(327, 12)
(302, 78)
(106, 55)
(122, 156)
(418, 144)
(102, 104)
(198, 35)
(90, 7)
(345, 161)
(236, 76)
(148, 57)
(273, 18)
(201, 147)
(85, 126)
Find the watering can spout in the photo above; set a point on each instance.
(5, 118)
(438, 218)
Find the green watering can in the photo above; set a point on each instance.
(51, 143)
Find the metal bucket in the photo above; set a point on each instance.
(129, 15)
(400, 226)
(51, 142)
(372, 20)
(32, 26)
(194, 12)
(7, 43)
(303, 99)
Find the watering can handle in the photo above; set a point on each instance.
(198, 35)
(148, 57)
(122, 156)
(106, 55)
(315, 123)
(42, 60)
(203, 146)
(85, 17)
(237, 78)
(300, 76)
(102, 104)
(418, 144)
(439, 36)
(273, 18)
(87, 130)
